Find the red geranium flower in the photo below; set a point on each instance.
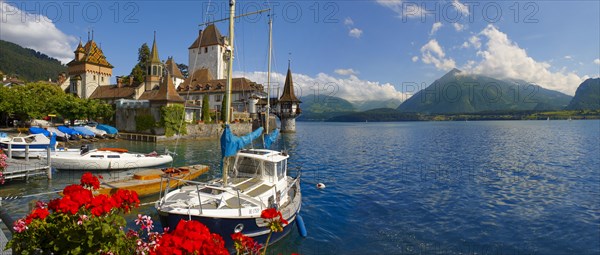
(88, 180)
(37, 214)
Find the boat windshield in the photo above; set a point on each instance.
(247, 167)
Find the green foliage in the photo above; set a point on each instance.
(172, 119)
(322, 107)
(587, 96)
(144, 122)
(28, 64)
(224, 109)
(205, 109)
(139, 70)
(184, 69)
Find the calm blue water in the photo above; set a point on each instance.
(493, 187)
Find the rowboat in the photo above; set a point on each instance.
(148, 182)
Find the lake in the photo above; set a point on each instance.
(477, 187)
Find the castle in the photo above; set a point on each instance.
(89, 76)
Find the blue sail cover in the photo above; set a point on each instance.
(37, 130)
(231, 144)
(109, 129)
(271, 138)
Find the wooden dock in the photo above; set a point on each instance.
(23, 169)
(138, 137)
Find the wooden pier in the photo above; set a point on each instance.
(27, 167)
(138, 137)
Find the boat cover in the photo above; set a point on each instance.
(231, 144)
(110, 130)
(271, 138)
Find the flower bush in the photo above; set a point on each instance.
(3, 165)
(83, 223)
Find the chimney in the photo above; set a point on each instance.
(119, 82)
(131, 80)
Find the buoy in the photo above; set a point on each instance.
(301, 227)
(320, 185)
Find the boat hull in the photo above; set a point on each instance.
(225, 227)
(75, 163)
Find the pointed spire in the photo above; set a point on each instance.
(154, 52)
(288, 88)
(88, 35)
(92, 34)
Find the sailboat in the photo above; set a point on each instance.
(252, 180)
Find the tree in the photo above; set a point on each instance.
(223, 108)
(184, 69)
(139, 70)
(172, 119)
(73, 108)
(205, 109)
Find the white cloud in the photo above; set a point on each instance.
(405, 10)
(348, 71)
(415, 59)
(36, 32)
(348, 21)
(503, 58)
(458, 27)
(460, 7)
(568, 57)
(350, 88)
(432, 53)
(355, 32)
(435, 27)
(597, 61)
(474, 42)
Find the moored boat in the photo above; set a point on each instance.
(72, 133)
(111, 131)
(86, 133)
(106, 159)
(36, 145)
(99, 133)
(59, 134)
(148, 182)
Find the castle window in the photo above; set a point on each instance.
(218, 98)
(154, 71)
(102, 78)
(205, 49)
(94, 77)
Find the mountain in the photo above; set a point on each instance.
(375, 104)
(323, 107)
(587, 96)
(375, 115)
(28, 64)
(459, 92)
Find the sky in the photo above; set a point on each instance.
(357, 50)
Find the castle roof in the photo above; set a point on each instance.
(288, 89)
(165, 93)
(172, 68)
(210, 36)
(201, 82)
(92, 55)
(113, 92)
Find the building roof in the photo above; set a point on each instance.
(154, 52)
(201, 82)
(172, 68)
(165, 93)
(113, 92)
(210, 36)
(288, 89)
(92, 55)
(79, 48)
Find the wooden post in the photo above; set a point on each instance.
(48, 162)
(26, 152)
(10, 150)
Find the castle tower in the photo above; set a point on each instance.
(155, 68)
(288, 105)
(208, 52)
(88, 70)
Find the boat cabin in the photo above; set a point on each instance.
(266, 165)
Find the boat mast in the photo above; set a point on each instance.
(229, 79)
(269, 74)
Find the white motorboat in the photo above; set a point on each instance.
(36, 145)
(105, 159)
